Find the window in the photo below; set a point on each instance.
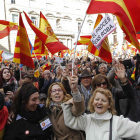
(12, 1)
(79, 26)
(34, 20)
(14, 18)
(115, 39)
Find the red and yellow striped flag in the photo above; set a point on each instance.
(84, 40)
(127, 12)
(104, 51)
(22, 52)
(44, 67)
(6, 27)
(1, 51)
(133, 74)
(51, 43)
(45, 27)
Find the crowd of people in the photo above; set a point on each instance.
(99, 101)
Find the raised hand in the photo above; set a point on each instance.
(73, 81)
(120, 72)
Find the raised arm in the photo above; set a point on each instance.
(128, 129)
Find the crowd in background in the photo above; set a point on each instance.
(61, 106)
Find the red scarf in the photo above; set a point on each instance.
(3, 117)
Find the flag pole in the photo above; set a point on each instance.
(76, 43)
(36, 59)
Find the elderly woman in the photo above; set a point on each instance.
(102, 124)
(30, 118)
(58, 95)
(101, 81)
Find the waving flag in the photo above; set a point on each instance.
(6, 27)
(51, 43)
(22, 52)
(84, 40)
(45, 27)
(127, 12)
(46, 66)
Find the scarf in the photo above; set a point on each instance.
(31, 116)
(3, 117)
(55, 108)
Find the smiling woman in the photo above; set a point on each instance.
(56, 96)
(29, 116)
(102, 124)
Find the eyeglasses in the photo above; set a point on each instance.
(54, 90)
(99, 84)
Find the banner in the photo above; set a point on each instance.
(7, 56)
(103, 29)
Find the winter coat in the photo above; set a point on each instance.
(98, 129)
(21, 129)
(45, 84)
(60, 130)
(134, 96)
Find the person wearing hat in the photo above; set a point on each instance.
(42, 98)
(85, 87)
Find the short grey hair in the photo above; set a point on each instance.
(102, 64)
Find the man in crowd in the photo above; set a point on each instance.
(45, 80)
(102, 68)
(85, 87)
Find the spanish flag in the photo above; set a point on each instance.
(104, 51)
(3, 118)
(45, 27)
(44, 67)
(133, 74)
(127, 12)
(1, 51)
(84, 40)
(51, 43)
(6, 27)
(22, 52)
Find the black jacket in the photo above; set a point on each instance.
(19, 126)
(134, 96)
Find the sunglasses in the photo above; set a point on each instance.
(103, 83)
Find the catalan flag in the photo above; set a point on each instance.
(22, 52)
(6, 27)
(127, 12)
(51, 43)
(104, 51)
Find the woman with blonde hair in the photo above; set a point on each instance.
(102, 124)
(58, 95)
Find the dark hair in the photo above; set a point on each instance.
(98, 79)
(1, 76)
(22, 96)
